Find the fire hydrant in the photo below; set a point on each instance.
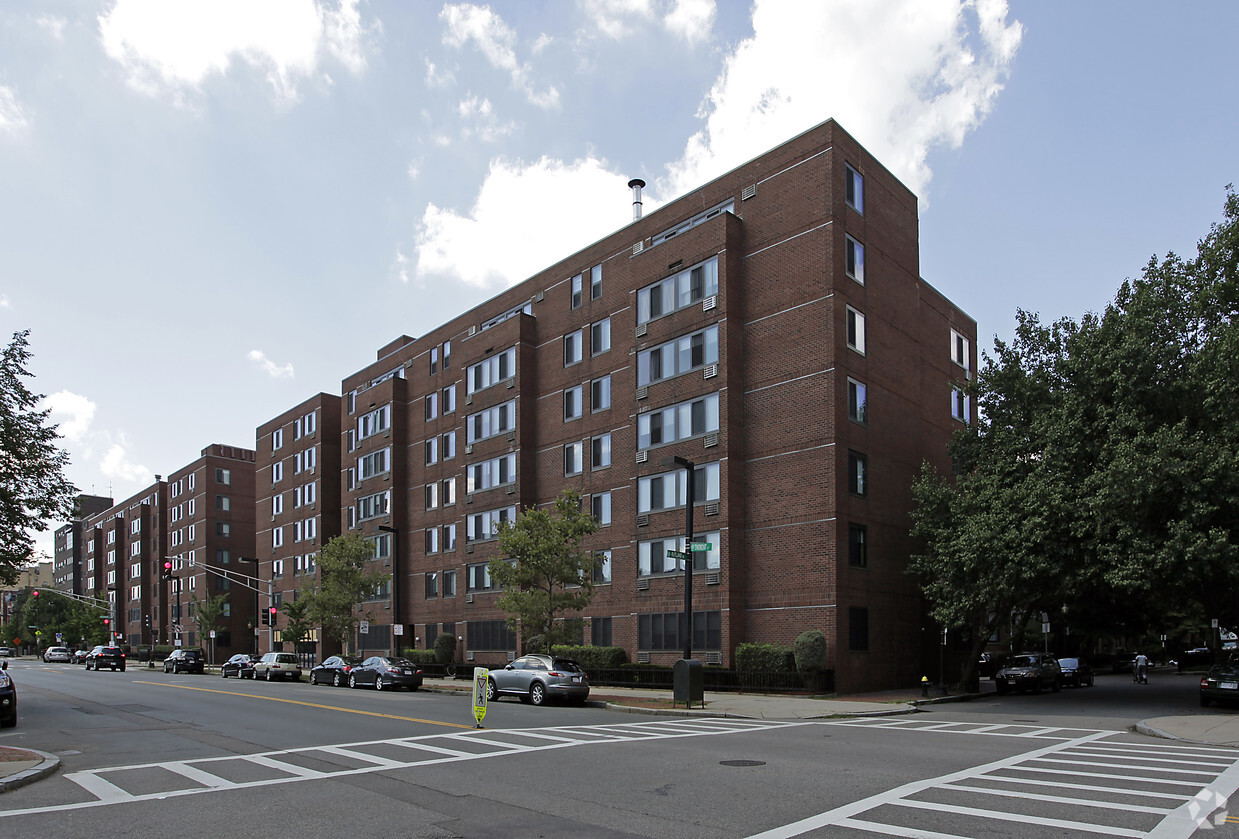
(925, 686)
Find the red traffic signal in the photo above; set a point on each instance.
(273, 609)
(36, 592)
(107, 621)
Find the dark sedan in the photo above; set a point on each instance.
(334, 671)
(8, 697)
(1221, 683)
(384, 672)
(1029, 671)
(1077, 672)
(240, 666)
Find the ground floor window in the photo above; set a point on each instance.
(666, 631)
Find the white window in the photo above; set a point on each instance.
(961, 404)
(491, 473)
(485, 525)
(574, 462)
(192, 532)
(572, 403)
(678, 422)
(277, 471)
(576, 291)
(572, 347)
(135, 526)
(600, 452)
(652, 555)
(600, 394)
(277, 504)
(311, 458)
(432, 540)
(855, 260)
(449, 445)
(600, 337)
(375, 463)
(960, 350)
(670, 489)
(311, 528)
(449, 492)
(431, 491)
(277, 439)
(277, 537)
(449, 399)
(673, 358)
(856, 330)
(600, 507)
(858, 409)
(432, 405)
(310, 422)
(111, 578)
(223, 476)
(192, 476)
(449, 539)
(493, 370)
(297, 530)
(491, 422)
(678, 291)
(447, 354)
(135, 548)
(602, 571)
(434, 360)
(432, 451)
(135, 592)
(192, 504)
(311, 493)
(375, 421)
(371, 506)
(854, 188)
(595, 282)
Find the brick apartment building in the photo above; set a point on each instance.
(67, 563)
(297, 484)
(771, 327)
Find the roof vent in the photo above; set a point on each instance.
(636, 185)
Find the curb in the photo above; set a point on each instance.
(48, 763)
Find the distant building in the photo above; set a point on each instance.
(67, 572)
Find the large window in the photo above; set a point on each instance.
(855, 260)
(856, 330)
(855, 188)
(678, 422)
(375, 463)
(574, 458)
(432, 405)
(679, 356)
(492, 421)
(482, 526)
(374, 422)
(666, 631)
(600, 452)
(372, 506)
(600, 632)
(602, 567)
(491, 473)
(573, 397)
(477, 577)
(652, 556)
(600, 394)
(490, 635)
(669, 490)
(961, 404)
(493, 370)
(600, 337)
(600, 507)
(432, 585)
(572, 347)
(678, 291)
(960, 352)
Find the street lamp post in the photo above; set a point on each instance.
(690, 469)
(395, 583)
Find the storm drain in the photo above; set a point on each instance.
(742, 763)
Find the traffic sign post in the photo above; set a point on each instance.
(480, 677)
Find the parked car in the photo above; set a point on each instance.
(105, 656)
(278, 666)
(8, 697)
(334, 671)
(6, 652)
(79, 656)
(185, 661)
(1030, 671)
(1076, 672)
(1194, 657)
(240, 665)
(60, 654)
(1221, 683)
(537, 678)
(385, 672)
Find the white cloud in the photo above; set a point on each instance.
(72, 412)
(523, 215)
(269, 367)
(481, 120)
(13, 119)
(117, 465)
(610, 18)
(53, 24)
(4, 302)
(901, 77)
(691, 20)
(171, 46)
(436, 78)
(492, 37)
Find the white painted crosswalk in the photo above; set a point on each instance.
(1081, 783)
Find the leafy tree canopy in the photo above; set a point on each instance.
(343, 584)
(543, 571)
(33, 490)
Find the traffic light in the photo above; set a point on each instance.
(35, 594)
(107, 621)
(268, 617)
(146, 619)
(167, 570)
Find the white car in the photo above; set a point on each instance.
(278, 666)
(63, 654)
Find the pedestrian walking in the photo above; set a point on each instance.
(1140, 669)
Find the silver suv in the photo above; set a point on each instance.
(537, 678)
(278, 666)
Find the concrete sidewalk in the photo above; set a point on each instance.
(22, 766)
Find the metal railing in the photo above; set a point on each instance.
(713, 679)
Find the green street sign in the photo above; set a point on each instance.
(700, 546)
(678, 554)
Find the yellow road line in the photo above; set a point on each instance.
(309, 704)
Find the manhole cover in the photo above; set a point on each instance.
(742, 763)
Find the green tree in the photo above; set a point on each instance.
(543, 571)
(343, 585)
(206, 613)
(297, 620)
(33, 490)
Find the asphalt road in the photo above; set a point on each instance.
(147, 754)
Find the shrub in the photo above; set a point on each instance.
(422, 656)
(593, 658)
(810, 653)
(445, 648)
(758, 657)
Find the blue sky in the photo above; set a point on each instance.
(211, 211)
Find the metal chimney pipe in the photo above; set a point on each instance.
(635, 185)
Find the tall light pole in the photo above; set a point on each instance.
(395, 583)
(691, 469)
